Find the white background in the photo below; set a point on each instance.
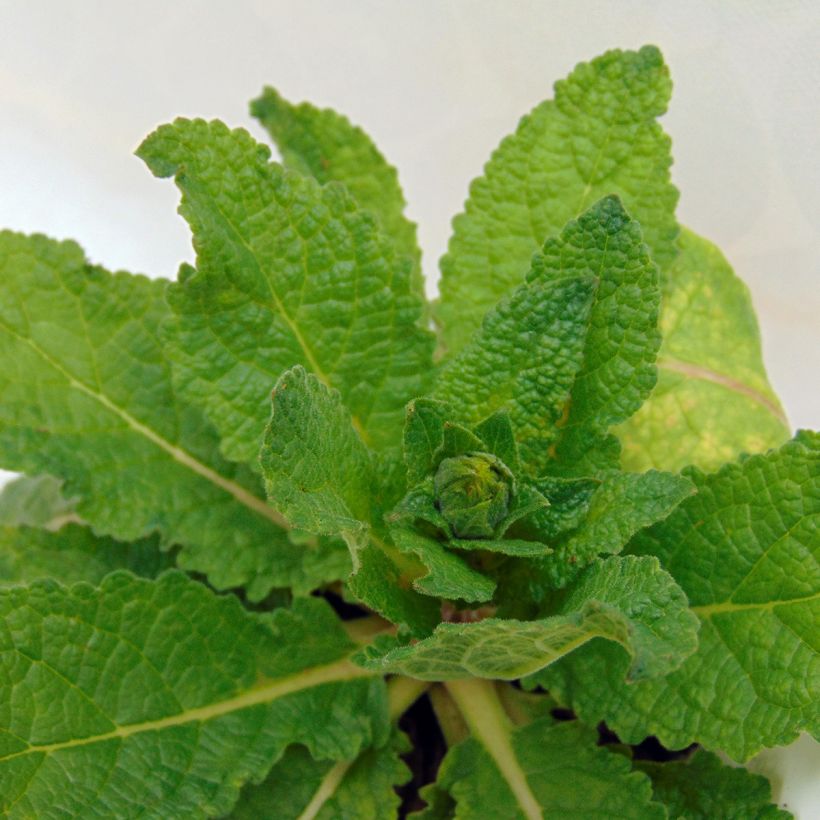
(437, 84)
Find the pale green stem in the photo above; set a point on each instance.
(450, 721)
(492, 728)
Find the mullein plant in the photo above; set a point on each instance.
(269, 520)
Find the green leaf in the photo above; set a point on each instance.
(35, 501)
(496, 431)
(320, 474)
(317, 471)
(326, 145)
(361, 789)
(703, 788)
(448, 575)
(713, 400)
(423, 436)
(161, 699)
(618, 370)
(299, 786)
(621, 506)
(598, 137)
(287, 273)
(522, 360)
(384, 579)
(541, 770)
(88, 398)
(629, 600)
(73, 553)
(746, 553)
(592, 337)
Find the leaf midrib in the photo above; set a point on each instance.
(696, 371)
(337, 672)
(243, 496)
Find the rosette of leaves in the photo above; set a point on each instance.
(265, 509)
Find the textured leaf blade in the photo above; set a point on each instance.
(713, 400)
(88, 398)
(628, 600)
(536, 771)
(287, 273)
(572, 351)
(159, 698)
(523, 360)
(448, 576)
(328, 147)
(597, 137)
(317, 471)
(365, 789)
(618, 370)
(621, 506)
(745, 551)
(702, 788)
(74, 554)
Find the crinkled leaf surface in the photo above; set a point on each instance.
(288, 272)
(317, 470)
(34, 501)
(160, 699)
(320, 474)
(570, 352)
(703, 788)
(629, 600)
(73, 553)
(523, 360)
(299, 786)
(618, 370)
(542, 770)
(88, 398)
(448, 575)
(324, 144)
(598, 136)
(623, 504)
(745, 551)
(713, 400)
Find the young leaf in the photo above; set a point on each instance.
(287, 273)
(713, 400)
(35, 501)
(317, 471)
(88, 398)
(423, 437)
(618, 371)
(160, 698)
(320, 474)
(622, 505)
(327, 146)
(74, 554)
(448, 576)
(592, 336)
(746, 553)
(628, 600)
(598, 137)
(384, 580)
(536, 771)
(702, 788)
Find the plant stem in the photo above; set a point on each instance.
(402, 693)
(450, 721)
(479, 704)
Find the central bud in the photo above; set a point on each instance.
(473, 493)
